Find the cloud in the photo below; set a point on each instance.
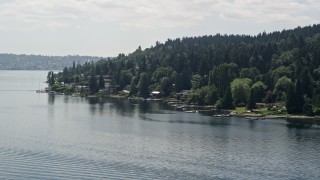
(127, 13)
(151, 14)
(34, 14)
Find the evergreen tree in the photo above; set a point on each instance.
(50, 78)
(227, 100)
(165, 85)
(210, 82)
(290, 102)
(298, 98)
(93, 84)
(308, 110)
(133, 86)
(144, 85)
(186, 80)
(316, 98)
(252, 100)
(66, 75)
(222, 75)
(77, 79)
(101, 82)
(306, 82)
(178, 83)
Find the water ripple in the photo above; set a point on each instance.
(27, 164)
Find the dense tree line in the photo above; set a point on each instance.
(222, 70)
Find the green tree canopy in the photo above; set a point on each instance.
(222, 75)
(211, 96)
(258, 91)
(125, 78)
(250, 73)
(207, 95)
(240, 89)
(160, 73)
(281, 72)
(281, 87)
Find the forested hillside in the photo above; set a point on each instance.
(278, 66)
(39, 62)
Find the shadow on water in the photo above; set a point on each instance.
(252, 123)
(96, 104)
(94, 100)
(300, 123)
(219, 121)
(162, 113)
(156, 113)
(111, 105)
(144, 110)
(51, 99)
(122, 107)
(144, 107)
(212, 122)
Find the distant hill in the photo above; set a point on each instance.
(39, 62)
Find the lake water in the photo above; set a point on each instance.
(63, 137)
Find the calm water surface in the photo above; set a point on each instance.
(62, 137)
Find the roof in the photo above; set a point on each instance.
(155, 92)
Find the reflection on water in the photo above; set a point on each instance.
(145, 107)
(252, 123)
(64, 137)
(51, 99)
(300, 123)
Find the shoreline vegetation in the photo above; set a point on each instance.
(274, 75)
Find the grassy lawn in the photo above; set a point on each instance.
(240, 110)
(263, 111)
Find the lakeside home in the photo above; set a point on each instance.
(279, 105)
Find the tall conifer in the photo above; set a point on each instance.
(298, 97)
(290, 100)
(227, 100)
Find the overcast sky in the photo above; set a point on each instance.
(110, 27)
